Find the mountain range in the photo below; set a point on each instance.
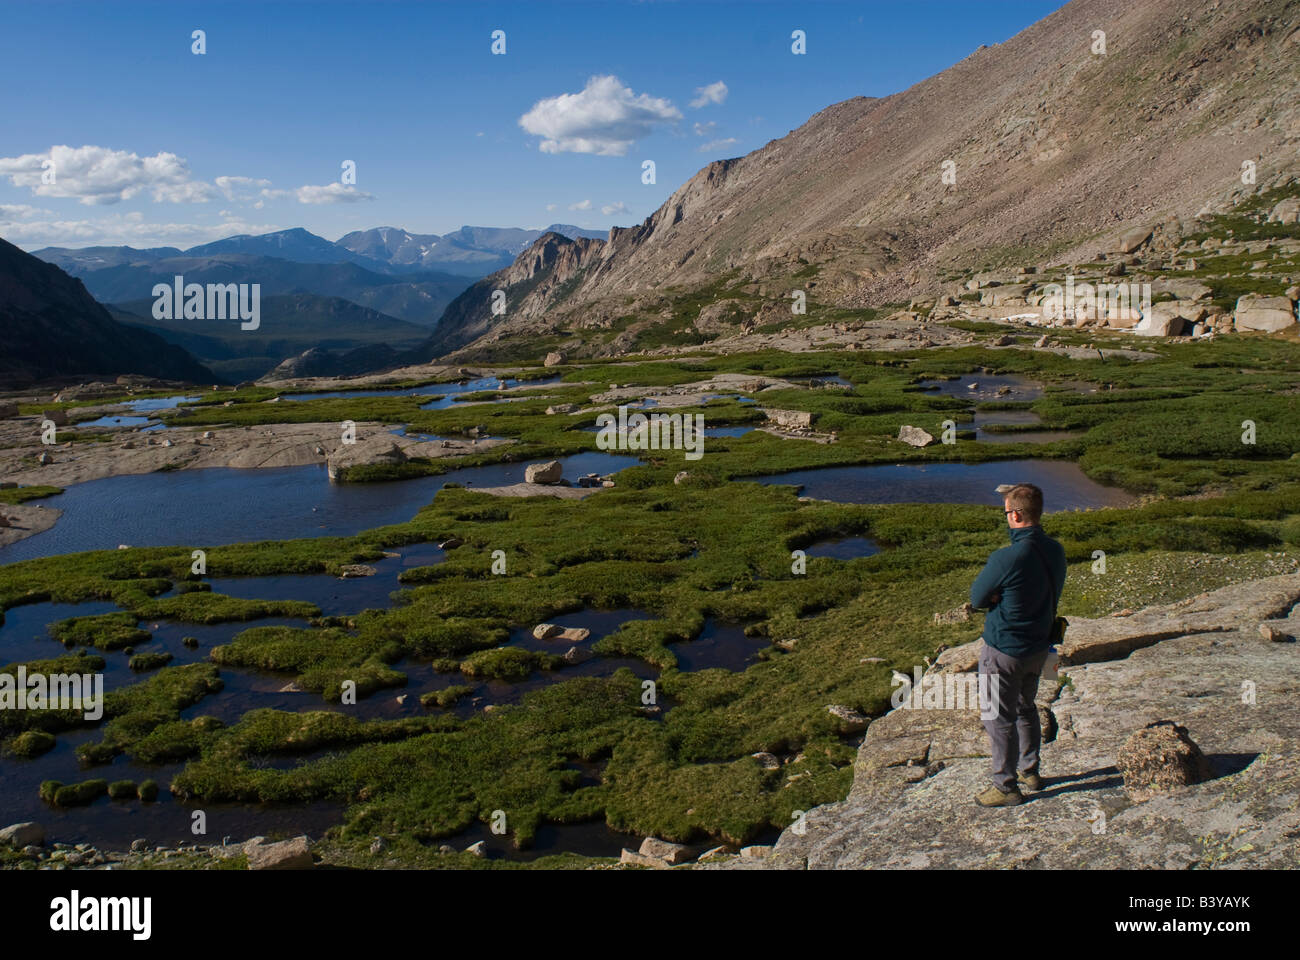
(315, 294)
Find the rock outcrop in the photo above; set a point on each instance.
(1202, 661)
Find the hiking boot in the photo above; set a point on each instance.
(993, 797)
(1030, 779)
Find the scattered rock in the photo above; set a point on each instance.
(665, 850)
(478, 849)
(369, 452)
(1133, 239)
(561, 408)
(681, 477)
(451, 543)
(641, 860)
(28, 833)
(292, 854)
(955, 615)
(768, 761)
(549, 472)
(1270, 632)
(756, 852)
(547, 631)
(849, 720)
(914, 436)
(351, 571)
(1159, 758)
(553, 359)
(1268, 314)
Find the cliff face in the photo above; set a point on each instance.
(1204, 662)
(53, 328)
(1036, 148)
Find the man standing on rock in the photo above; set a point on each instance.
(1020, 586)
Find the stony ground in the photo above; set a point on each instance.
(1204, 662)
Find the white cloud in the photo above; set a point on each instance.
(717, 144)
(19, 211)
(242, 189)
(713, 93)
(331, 193)
(550, 207)
(97, 176)
(606, 118)
(580, 205)
(704, 129)
(610, 209)
(130, 230)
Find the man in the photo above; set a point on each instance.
(1020, 586)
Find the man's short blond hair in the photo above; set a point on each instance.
(1028, 499)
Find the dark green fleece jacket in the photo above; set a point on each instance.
(1019, 622)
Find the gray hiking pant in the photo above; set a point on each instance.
(1012, 718)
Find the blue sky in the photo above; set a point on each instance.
(250, 136)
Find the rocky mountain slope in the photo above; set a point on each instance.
(1053, 148)
(53, 328)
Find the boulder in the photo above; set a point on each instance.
(553, 359)
(681, 477)
(914, 436)
(8, 410)
(848, 720)
(1164, 320)
(665, 850)
(350, 571)
(768, 761)
(1159, 758)
(292, 854)
(1285, 211)
(1131, 240)
(381, 449)
(561, 408)
(956, 615)
(478, 849)
(58, 417)
(1181, 288)
(19, 835)
(790, 419)
(547, 631)
(642, 860)
(1269, 314)
(549, 472)
(577, 655)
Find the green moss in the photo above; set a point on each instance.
(446, 697)
(80, 794)
(149, 661)
(32, 743)
(122, 790)
(109, 631)
(148, 791)
(508, 663)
